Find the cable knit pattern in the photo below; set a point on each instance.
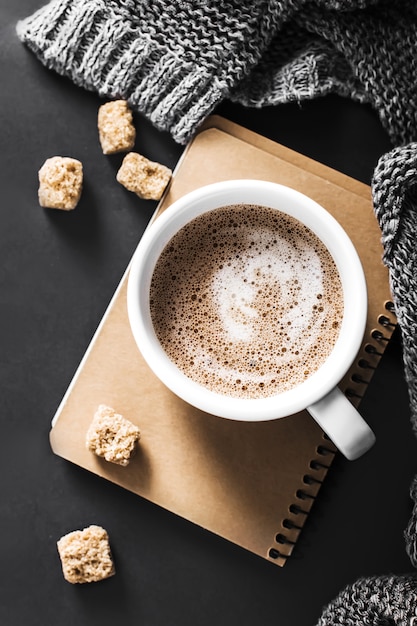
(374, 601)
(175, 61)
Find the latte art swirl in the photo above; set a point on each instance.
(271, 277)
(246, 301)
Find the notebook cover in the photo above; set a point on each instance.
(251, 483)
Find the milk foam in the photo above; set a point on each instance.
(247, 301)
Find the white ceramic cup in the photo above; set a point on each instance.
(319, 394)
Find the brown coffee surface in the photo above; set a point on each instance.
(247, 301)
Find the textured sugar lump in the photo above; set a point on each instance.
(117, 132)
(60, 183)
(145, 178)
(112, 436)
(85, 555)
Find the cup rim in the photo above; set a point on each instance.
(331, 233)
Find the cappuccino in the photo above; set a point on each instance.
(246, 301)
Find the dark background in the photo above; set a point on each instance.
(58, 272)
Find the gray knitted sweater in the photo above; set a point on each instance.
(175, 60)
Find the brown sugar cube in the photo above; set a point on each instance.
(85, 555)
(147, 179)
(115, 126)
(60, 183)
(111, 436)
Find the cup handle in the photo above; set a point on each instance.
(342, 423)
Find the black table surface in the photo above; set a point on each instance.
(58, 272)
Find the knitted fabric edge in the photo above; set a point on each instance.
(106, 47)
(101, 51)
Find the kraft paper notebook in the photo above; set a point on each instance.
(252, 484)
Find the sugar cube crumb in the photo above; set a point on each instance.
(117, 132)
(85, 555)
(112, 436)
(60, 183)
(148, 179)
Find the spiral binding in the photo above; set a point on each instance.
(373, 351)
(292, 525)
